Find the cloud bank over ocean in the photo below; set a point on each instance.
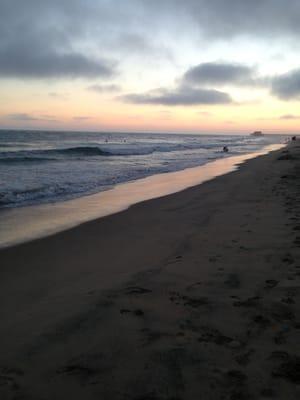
(159, 53)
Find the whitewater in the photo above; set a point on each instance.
(43, 167)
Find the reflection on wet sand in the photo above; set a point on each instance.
(23, 224)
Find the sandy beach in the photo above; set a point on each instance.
(194, 295)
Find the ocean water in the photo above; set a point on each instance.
(43, 167)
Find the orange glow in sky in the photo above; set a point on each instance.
(89, 66)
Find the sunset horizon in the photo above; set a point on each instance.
(149, 199)
(115, 66)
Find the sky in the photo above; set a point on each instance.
(207, 66)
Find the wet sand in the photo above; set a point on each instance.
(22, 224)
(190, 296)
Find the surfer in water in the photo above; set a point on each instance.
(225, 149)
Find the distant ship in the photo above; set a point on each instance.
(257, 133)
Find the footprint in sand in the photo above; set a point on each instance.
(76, 369)
(288, 300)
(236, 376)
(288, 259)
(297, 241)
(262, 321)
(194, 302)
(244, 359)
(233, 281)
(125, 311)
(280, 338)
(236, 380)
(136, 290)
(250, 302)
(137, 312)
(211, 335)
(193, 286)
(289, 370)
(268, 392)
(8, 377)
(86, 368)
(174, 260)
(282, 312)
(270, 283)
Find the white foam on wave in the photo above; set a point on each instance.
(43, 167)
(23, 224)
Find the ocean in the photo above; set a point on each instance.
(44, 167)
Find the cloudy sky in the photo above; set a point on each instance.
(159, 65)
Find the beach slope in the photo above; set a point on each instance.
(190, 296)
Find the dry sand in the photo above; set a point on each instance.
(190, 296)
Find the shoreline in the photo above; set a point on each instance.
(190, 295)
(24, 224)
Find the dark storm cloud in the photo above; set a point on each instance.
(16, 63)
(287, 86)
(217, 73)
(189, 89)
(37, 41)
(65, 39)
(182, 96)
(198, 86)
(231, 18)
